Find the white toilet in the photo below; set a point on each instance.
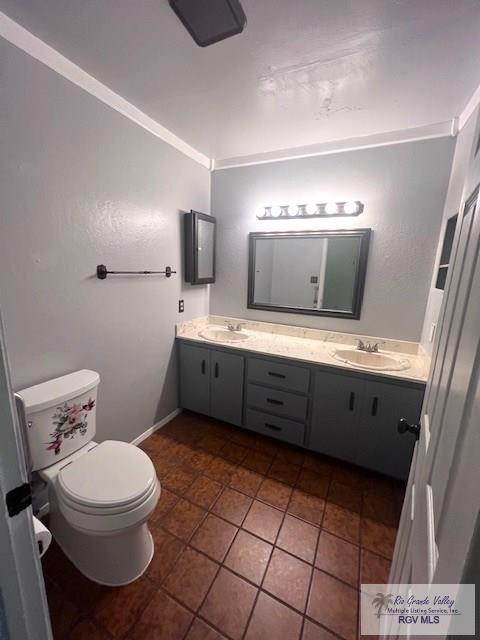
(101, 495)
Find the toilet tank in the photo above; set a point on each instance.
(61, 416)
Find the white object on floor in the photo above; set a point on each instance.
(100, 495)
(43, 537)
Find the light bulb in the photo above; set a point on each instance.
(276, 211)
(331, 208)
(350, 207)
(292, 210)
(311, 209)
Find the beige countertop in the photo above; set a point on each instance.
(314, 346)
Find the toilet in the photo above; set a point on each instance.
(100, 495)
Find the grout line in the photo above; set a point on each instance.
(182, 464)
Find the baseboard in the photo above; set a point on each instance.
(156, 427)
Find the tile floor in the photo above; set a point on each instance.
(254, 540)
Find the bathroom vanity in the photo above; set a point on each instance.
(285, 382)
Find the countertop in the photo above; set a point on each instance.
(313, 346)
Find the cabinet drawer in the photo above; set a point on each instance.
(280, 428)
(276, 374)
(287, 404)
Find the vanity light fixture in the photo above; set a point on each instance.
(322, 210)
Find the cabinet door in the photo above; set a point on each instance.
(380, 446)
(337, 404)
(195, 378)
(226, 391)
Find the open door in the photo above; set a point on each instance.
(442, 500)
(23, 603)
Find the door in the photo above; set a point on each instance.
(337, 403)
(195, 378)
(226, 392)
(23, 604)
(436, 531)
(380, 447)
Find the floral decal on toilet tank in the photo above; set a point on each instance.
(69, 420)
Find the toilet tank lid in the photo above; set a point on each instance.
(47, 394)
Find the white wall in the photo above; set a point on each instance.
(82, 185)
(459, 188)
(403, 187)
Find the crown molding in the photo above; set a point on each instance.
(44, 53)
(470, 107)
(426, 132)
(33, 46)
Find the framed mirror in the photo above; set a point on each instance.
(309, 272)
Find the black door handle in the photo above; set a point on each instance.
(276, 375)
(404, 426)
(351, 402)
(203, 367)
(273, 401)
(273, 427)
(374, 406)
(216, 370)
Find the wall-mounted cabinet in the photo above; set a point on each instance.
(199, 234)
(446, 254)
(348, 415)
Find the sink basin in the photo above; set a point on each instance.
(375, 361)
(223, 335)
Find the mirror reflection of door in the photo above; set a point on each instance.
(320, 273)
(205, 248)
(339, 275)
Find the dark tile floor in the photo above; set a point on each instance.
(254, 539)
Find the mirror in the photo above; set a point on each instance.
(312, 272)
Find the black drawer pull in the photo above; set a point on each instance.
(276, 375)
(273, 427)
(216, 370)
(273, 401)
(351, 402)
(203, 367)
(374, 406)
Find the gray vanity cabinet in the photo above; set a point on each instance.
(337, 405)
(195, 378)
(355, 419)
(226, 388)
(348, 415)
(380, 447)
(211, 382)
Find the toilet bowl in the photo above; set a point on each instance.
(100, 495)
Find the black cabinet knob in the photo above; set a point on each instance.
(404, 426)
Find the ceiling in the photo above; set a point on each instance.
(303, 72)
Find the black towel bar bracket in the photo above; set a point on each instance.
(102, 272)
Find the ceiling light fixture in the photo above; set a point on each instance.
(322, 210)
(211, 20)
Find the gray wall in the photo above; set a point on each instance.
(82, 185)
(403, 187)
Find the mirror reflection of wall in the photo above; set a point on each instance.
(315, 272)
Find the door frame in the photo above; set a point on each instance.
(23, 599)
(456, 501)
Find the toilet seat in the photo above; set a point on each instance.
(110, 487)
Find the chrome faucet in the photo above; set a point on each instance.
(233, 327)
(368, 347)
